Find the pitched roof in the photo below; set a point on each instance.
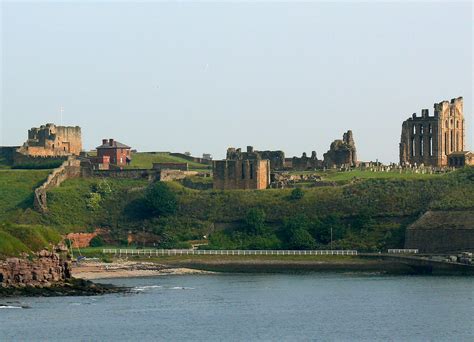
(116, 144)
(452, 219)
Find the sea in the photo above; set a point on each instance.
(253, 307)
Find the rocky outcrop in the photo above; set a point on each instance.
(42, 270)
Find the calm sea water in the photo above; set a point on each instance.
(245, 307)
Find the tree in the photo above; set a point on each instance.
(301, 239)
(160, 200)
(328, 224)
(255, 221)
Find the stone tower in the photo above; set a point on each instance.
(429, 139)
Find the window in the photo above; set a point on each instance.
(421, 129)
(430, 129)
(446, 152)
(243, 170)
(251, 170)
(452, 140)
(414, 129)
(421, 147)
(412, 147)
(430, 152)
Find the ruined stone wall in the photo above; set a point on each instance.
(128, 173)
(172, 175)
(276, 158)
(342, 153)
(171, 166)
(241, 174)
(7, 153)
(429, 139)
(43, 270)
(51, 140)
(69, 169)
(306, 163)
(25, 161)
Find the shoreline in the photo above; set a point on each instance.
(128, 269)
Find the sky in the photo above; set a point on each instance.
(204, 76)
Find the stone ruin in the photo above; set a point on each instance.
(305, 163)
(276, 158)
(429, 140)
(342, 153)
(52, 141)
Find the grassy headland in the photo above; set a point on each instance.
(368, 214)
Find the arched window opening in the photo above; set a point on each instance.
(243, 171)
(430, 151)
(421, 129)
(251, 170)
(412, 147)
(458, 147)
(446, 152)
(414, 129)
(446, 124)
(430, 129)
(452, 140)
(421, 147)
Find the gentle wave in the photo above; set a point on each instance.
(143, 288)
(10, 307)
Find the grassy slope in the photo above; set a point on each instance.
(17, 239)
(336, 176)
(16, 189)
(144, 160)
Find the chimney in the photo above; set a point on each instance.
(111, 142)
(104, 141)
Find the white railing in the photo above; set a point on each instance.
(403, 251)
(163, 252)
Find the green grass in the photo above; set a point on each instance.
(337, 176)
(17, 189)
(17, 239)
(68, 204)
(144, 160)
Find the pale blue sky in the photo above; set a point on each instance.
(200, 77)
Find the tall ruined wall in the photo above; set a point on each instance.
(429, 139)
(69, 169)
(42, 270)
(342, 153)
(241, 174)
(306, 163)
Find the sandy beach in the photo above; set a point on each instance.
(127, 269)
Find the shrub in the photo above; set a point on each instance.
(255, 221)
(296, 194)
(97, 241)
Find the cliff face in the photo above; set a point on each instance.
(43, 270)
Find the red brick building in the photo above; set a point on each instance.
(118, 153)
